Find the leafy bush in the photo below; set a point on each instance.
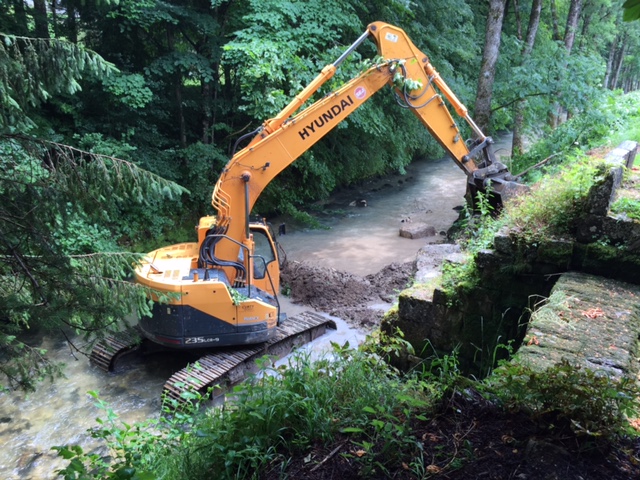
(590, 404)
(553, 207)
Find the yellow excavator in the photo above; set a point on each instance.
(225, 285)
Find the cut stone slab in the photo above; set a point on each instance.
(430, 258)
(417, 230)
(590, 321)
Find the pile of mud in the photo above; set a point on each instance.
(361, 301)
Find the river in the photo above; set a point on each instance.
(361, 241)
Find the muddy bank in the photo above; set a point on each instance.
(361, 301)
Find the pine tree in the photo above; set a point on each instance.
(61, 271)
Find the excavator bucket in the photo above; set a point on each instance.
(488, 176)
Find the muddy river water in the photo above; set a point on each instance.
(361, 240)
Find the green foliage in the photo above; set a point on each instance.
(133, 450)
(282, 47)
(476, 229)
(61, 270)
(129, 88)
(130, 221)
(610, 119)
(627, 109)
(568, 396)
(45, 68)
(554, 206)
(281, 412)
(627, 206)
(349, 397)
(631, 10)
(202, 164)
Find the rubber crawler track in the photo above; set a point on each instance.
(226, 368)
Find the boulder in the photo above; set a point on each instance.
(417, 230)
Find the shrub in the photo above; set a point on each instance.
(589, 403)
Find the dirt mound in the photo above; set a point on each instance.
(392, 279)
(343, 294)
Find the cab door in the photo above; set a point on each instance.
(266, 271)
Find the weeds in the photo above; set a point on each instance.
(132, 451)
(354, 400)
(278, 414)
(553, 208)
(592, 405)
(627, 206)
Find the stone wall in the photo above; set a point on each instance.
(590, 321)
(514, 278)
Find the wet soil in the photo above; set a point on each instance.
(473, 439)
(361, 301)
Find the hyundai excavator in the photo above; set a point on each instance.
(223, 288)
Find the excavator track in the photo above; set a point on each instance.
(108, 350)
(223, 369)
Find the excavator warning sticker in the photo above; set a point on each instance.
(392, 37)
(360, 93)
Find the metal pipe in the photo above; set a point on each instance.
(348, 51)
(475, 127)
(247, 211)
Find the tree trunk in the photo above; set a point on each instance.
(72, 25)
(206, 112)
(554, 20)
(40, 18)
(532, 28)
(21, 18)
(488, 67)
(586, 23)
(516, 8)
(518, 114)
(622, 51)
(557, 111)
(624, 79)
(610, 58)
(177, 85)
(572, 24)
(54, 18)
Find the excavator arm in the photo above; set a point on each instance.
(284, 138)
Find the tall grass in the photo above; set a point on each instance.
(286, 410)
(351, 395)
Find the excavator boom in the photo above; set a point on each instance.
(284, 138)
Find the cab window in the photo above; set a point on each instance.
(263, 250)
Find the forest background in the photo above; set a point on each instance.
(117, 117)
